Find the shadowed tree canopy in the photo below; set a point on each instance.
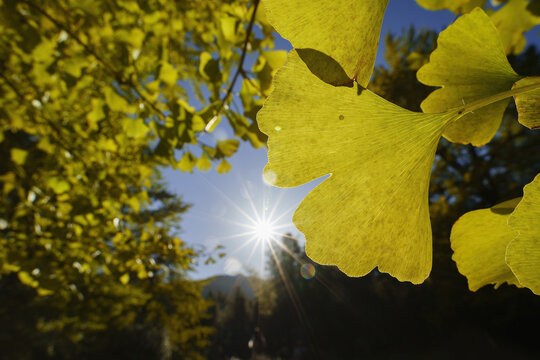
(95, 98)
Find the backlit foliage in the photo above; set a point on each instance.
(94, 99)
(372, 210)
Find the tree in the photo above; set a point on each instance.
(233, 318)
(373, 211)
(96, 97)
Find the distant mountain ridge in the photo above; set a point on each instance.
(226, 284)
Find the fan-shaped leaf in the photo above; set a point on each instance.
(469, 64)
(479, 240)
(457, 6)
(523, 252)
(346, 31)
(373, 210)
(512, 20)
(528, 103)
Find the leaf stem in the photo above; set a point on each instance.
(480, 103)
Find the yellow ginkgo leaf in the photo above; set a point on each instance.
(18, 156)
(124, 279)
(373, 209)
(523, 252)
(168, 74)
(479, 240)
(528, 103)
(457, 6)
(512, 20)
(343, 30)
(223, 167)
(228, 147)
(228, 28)
(469, 64)
(203, 163)
(134, 128)
(187, 162)
(27, 279)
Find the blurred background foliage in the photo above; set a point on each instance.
(94, 101)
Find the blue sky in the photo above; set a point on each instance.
(223, 204)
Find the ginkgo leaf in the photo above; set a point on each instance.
(228, 28)
(469, 64)
(58, 184)
(168, 74)
(223, 167)
(343, 30)
(209, 67)
(27, 279)
(228, 147)
(373, 209)
(512, 20)
(203, 163)
(115, 101)
(124, 279)
(135, 128)
(479, 240)
(457, 6)
(523, 252)
(18, 156)
(528, 103)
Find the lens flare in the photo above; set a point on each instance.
(232, 266)
(307, 271)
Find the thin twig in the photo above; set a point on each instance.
(242, 58)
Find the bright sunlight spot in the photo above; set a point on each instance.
(264, 231)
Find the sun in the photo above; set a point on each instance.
(264, 230)
(263, 226)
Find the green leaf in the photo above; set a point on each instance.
(523, 252)
(479, 240)
(18, 156)
(457, 6)
(512, 20)
(343, 30)
(469, 64)
(373, 209)
(528, 103)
